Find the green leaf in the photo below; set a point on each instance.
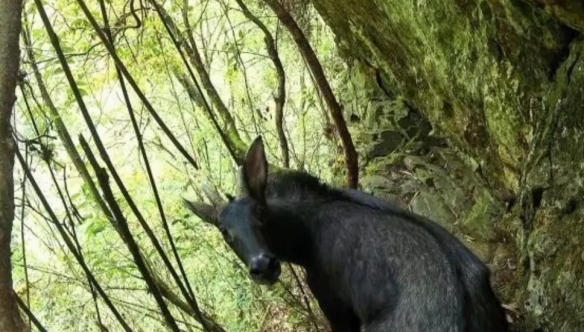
(94, 228)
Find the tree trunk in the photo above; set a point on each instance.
(10, 319)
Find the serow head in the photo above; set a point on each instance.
(243, 220)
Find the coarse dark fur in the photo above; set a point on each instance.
(369, 263)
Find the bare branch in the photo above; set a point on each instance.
(280, 97)
(307, 52)
(229, 133)
(69, 243)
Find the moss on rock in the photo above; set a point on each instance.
(503, 82)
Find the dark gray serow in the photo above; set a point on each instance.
(369, 263)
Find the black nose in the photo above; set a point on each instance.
(261, 264)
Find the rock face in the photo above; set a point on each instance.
(502, 81)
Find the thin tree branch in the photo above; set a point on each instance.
(23, 244)
(122, 68)
(241, 63)
(30, 315)
(99, 144)
(307, 52)
(61, 128)
(69, 243)
(124, 230)
(230, 136)
(191, 297)
(174, 299)
(280, 97)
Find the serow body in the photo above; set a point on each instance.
(369, 263)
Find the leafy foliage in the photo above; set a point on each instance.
(47, 276)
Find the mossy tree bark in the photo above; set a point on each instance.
(503, 81)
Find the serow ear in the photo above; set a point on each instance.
(255, 170)
(205, 212)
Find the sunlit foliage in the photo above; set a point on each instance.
(233, 51)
